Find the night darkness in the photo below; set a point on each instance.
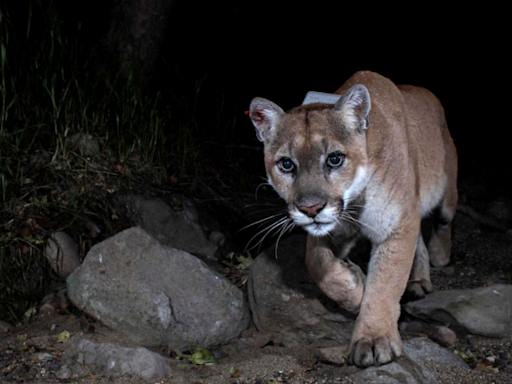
(261, 49)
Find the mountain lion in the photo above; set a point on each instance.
(373, 164)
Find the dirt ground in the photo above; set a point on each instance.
(272, 364)
(481, 256)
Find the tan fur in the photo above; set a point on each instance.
(397, 170)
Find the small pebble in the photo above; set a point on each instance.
(42, 356)
(442, 335)
(63, 373)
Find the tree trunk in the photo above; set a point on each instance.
(135, 37)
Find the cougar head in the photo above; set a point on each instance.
(315, 156)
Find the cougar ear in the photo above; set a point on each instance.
(264, 115)
(354, 106)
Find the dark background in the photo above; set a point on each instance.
(280, 53)
(241, 50)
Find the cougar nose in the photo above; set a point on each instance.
(311, 211)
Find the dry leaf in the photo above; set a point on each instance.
(237, 373)
(63, 337)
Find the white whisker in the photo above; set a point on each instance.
(289, 225)
(276, 227)
(268, 229)
(261, 204)
(260, 221)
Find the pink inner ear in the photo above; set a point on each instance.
(258, 116)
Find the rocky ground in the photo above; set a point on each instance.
(33, 354)
(38, 352)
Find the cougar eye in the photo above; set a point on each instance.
(335, 160)
(286, 164)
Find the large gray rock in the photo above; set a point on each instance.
(113, 358)
(481, 311)
(179, 225)
(284, 299)
(157, 295)
(411, 367)
(422, 349)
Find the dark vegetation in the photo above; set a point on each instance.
(171, 135)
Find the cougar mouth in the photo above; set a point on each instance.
(320, 225)
(319, 229)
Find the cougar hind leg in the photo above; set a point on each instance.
(437, 229)
(419, 282)
(440, 244)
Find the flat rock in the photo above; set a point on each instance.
(179, 225)
(258, 341)
(157, 295)
(113, 358)
(481, 311)
(410, 368)
(285, 300)
(442, 335)
(404, 371)
(421, 349)
(333, 355)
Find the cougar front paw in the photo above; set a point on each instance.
(368, 351)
